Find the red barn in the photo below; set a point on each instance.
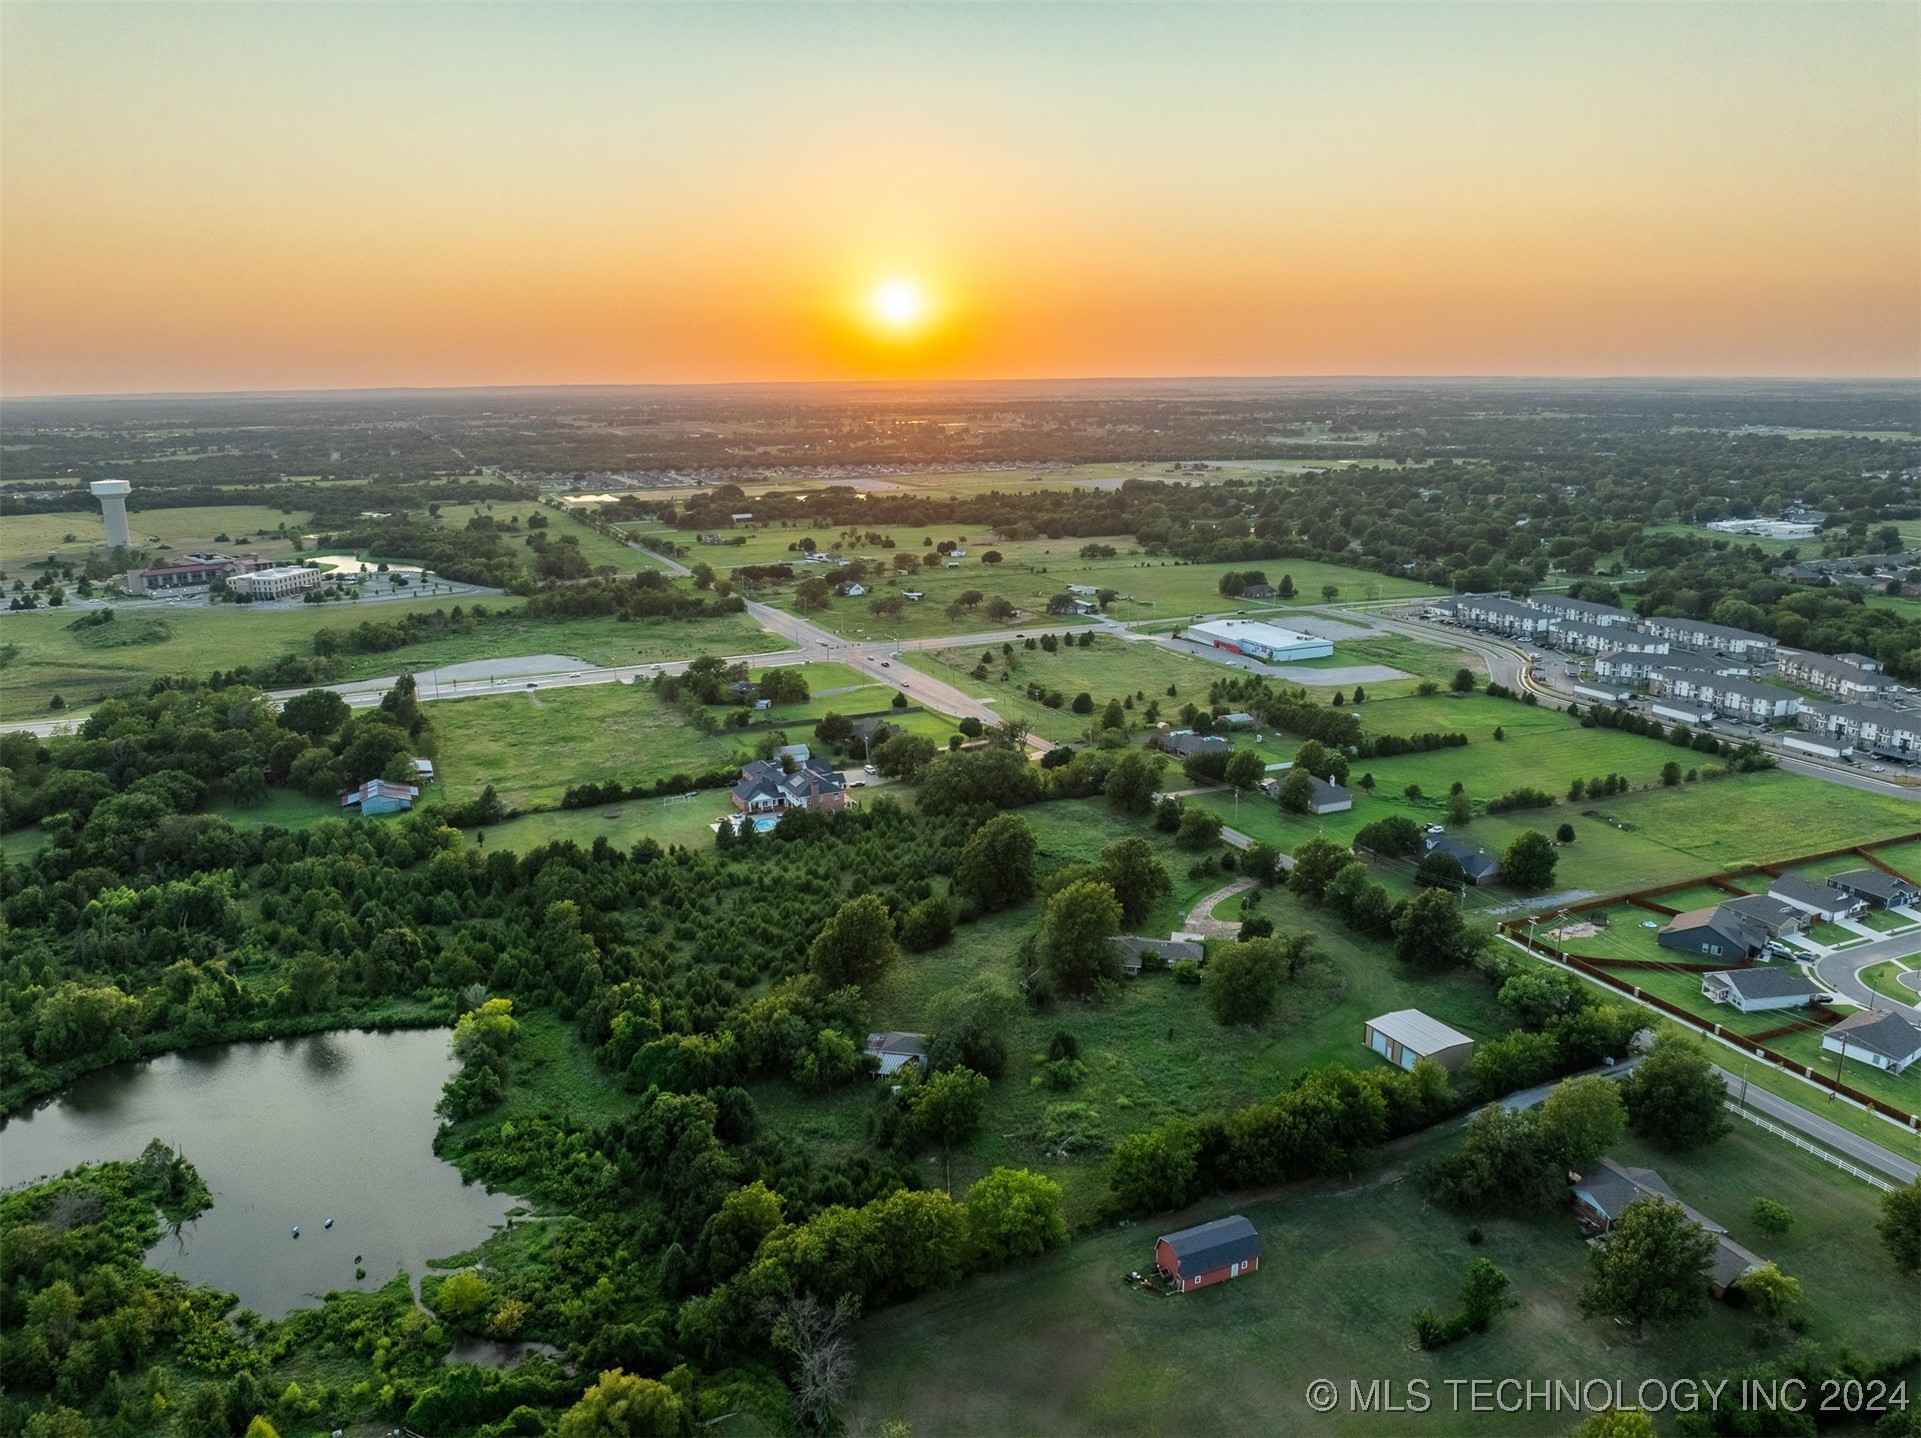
(1212, 1253)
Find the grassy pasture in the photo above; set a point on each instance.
(27, 539)
(1062, 1346)
(532, 746)
(53, 659)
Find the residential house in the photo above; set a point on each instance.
(1135, 951)
(766, 787)
(1714, 932)
(1208, 1253)
(379, 796)
(424, 770)
(895, 1051)
(1876, 888)
(1328, 797)
(1772, 914)
(1601, 1197)
(1738, 698)
(1258, 591)
(853, 590)
(1838, 675)
(1185, 743)
(1754, 991)
(1407, 1036)
(869, 734)
(1878, 1037)
(1478, 866)
(1084, 590)
(1820, 901)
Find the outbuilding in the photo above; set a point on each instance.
(1209, 1253)
(1256, 640)
(1407, 1036)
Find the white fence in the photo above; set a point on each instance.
(1865, 1175)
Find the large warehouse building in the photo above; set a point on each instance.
(1259, 641)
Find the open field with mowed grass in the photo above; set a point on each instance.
(1063, 1346)
(533, 746)
(54, 659)
(27, 539)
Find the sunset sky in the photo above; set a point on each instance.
(287, 196)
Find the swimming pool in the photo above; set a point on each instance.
(765, 822)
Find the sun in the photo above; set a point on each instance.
(900, 302)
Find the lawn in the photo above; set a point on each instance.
(1031, 572)
(1109, 668)
(26, 540)
(1062, 1346)
(1632, 841)
(1154, 1051)
(54, 659)
(1885, 922)
(683, 821)
(1881, 978)
(1901, 1090)
(533, 746)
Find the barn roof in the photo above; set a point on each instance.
(1214, 1245)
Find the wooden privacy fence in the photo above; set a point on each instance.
(1514, 932)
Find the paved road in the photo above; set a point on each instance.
(1840, 971)
(1812, 1126)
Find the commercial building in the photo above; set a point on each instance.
(278, 582)
(190, 571)
(1266, 642)
(1847, 676)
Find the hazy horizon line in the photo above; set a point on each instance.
(1677, 381)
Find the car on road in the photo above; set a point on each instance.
(1879, 769)
(869, 769)
(533, 686)
(886, 664)
(574, 675)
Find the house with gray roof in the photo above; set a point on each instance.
(1699, 634)
(1889, 733)
(1838, 675)
(1877, 888)
(1477, 865)
(1713, 933)
(1819, 900)
(766, 787)
(895, 1050)
(1770, 913)
(1754, 991)
(1185, 743)
(1136, 952)
(1328, 797)
(1878, 1037)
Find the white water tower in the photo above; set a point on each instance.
(112, 494)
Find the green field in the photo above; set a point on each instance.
(1033, 571)
(1881, 978)
(53, 659)
(27, 539)
(533, 745)
(1063, 1346)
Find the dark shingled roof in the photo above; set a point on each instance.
(1214, 1245)
(1766, 983)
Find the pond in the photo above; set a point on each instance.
(285, 1132)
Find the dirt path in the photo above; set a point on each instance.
(1198, 917)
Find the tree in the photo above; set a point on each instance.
(1430, 934)
(996, 864)
(1153, 1170)
(1564, 834)
(1012, 1215)
(1529, 861)
(1391, 838)
(1286, 587)
(1581, 1120)
(1460, 809)
(315, 714)
(1241, 981)
(1674, 1096)
(929, 924)
(1315, 864)
(1770, 1292)
(1505, 1163)
(1199, 828)
(948, 1107)
(1440, 870)
(1245, 769)
(1670, 774)
(1297, 791)
(856, 945)
(1653, 1267)
(620, 1405)
(1073, 946)
(1462, 682)
(1137, 877)
(1616, 1423)
(903, 756)
(1330, 592)
(463, 1299)
(1771, 1216)
(1083, 703)
(1322, 761)
(1133, 780)
(1900, 1227)
(1261, 862)
(1483, 1294)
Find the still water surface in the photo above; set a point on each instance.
(285, 1132)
